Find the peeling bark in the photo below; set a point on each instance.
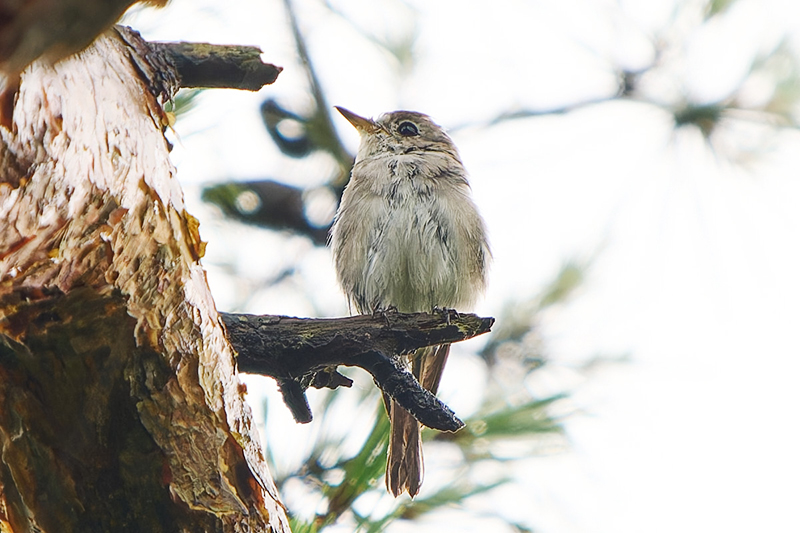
(120, 405)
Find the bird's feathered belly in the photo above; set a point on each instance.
(408, 235)
(411, 260)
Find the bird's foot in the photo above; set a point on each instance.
(384, 312)
(446, 311)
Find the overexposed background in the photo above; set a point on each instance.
(692, 242)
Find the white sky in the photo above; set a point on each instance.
(696, 276)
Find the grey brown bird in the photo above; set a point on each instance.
(408, 235)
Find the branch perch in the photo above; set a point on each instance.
(303, 352)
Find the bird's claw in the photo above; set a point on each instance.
(446, 311)
(384, 312)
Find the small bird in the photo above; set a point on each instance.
(407, 235)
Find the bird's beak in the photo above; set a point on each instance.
(363, 125)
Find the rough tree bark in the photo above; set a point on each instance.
(120, 406)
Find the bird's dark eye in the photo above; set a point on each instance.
(407, 129)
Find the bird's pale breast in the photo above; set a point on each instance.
(416, 224)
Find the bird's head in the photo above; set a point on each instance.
(398, 132)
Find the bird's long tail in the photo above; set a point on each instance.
(404, 467)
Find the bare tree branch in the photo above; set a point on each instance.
(207, 65)
(303, 352)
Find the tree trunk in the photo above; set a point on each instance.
(120, 406)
